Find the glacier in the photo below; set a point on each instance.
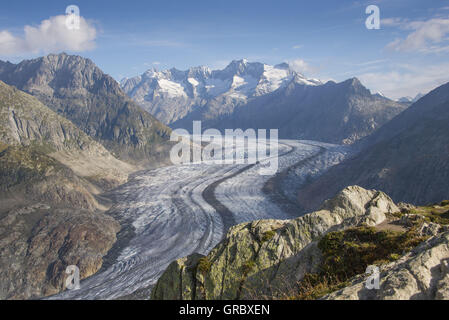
(176, 210)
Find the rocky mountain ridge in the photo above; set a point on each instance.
(408, 99)
(340, 113)
(26, 122)
(407, 157)
(78, 90)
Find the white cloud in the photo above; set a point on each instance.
(158, 43)
(369, 63)
(298, 46)
(301, 66)
(50, 36)
(393, 22)
(406, 80)
(149, 64)
(425, 36)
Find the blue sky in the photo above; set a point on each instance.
(324, 39)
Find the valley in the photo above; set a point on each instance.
(173, 150)
(171, 214)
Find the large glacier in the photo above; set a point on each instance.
(176, 210)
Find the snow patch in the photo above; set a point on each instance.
(172, 89)
(193, 82)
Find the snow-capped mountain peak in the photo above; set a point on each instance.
(283, 65)
(406, 99)
(409, 99)
(239, 81)
(379, 94)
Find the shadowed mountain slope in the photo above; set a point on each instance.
(51, 175)
(408, 157)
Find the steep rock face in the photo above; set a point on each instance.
(24, 121)
(77, 89)
(49, 219)
(260, 257)
(407, 157)
(38, 242)
(422, 274)
(28, 175)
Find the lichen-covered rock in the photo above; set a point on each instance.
(405, 207)
(424, 227)
(260, 257)
(421, 274)
(184, 284)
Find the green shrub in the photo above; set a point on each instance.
(248, 266)
(394, 256)
(268, 235)
(435, 213)
(347, 253)
(204, 265)
(444, 203)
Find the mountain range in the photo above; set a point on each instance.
(408, 157)
(256, 95)
(410, 99)
(172, 94)
(51, 213)
(77, 89)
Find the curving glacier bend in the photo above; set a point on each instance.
(177, 210)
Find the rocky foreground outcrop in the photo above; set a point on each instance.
(421, 274)
(317, 255)
(260, 258)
